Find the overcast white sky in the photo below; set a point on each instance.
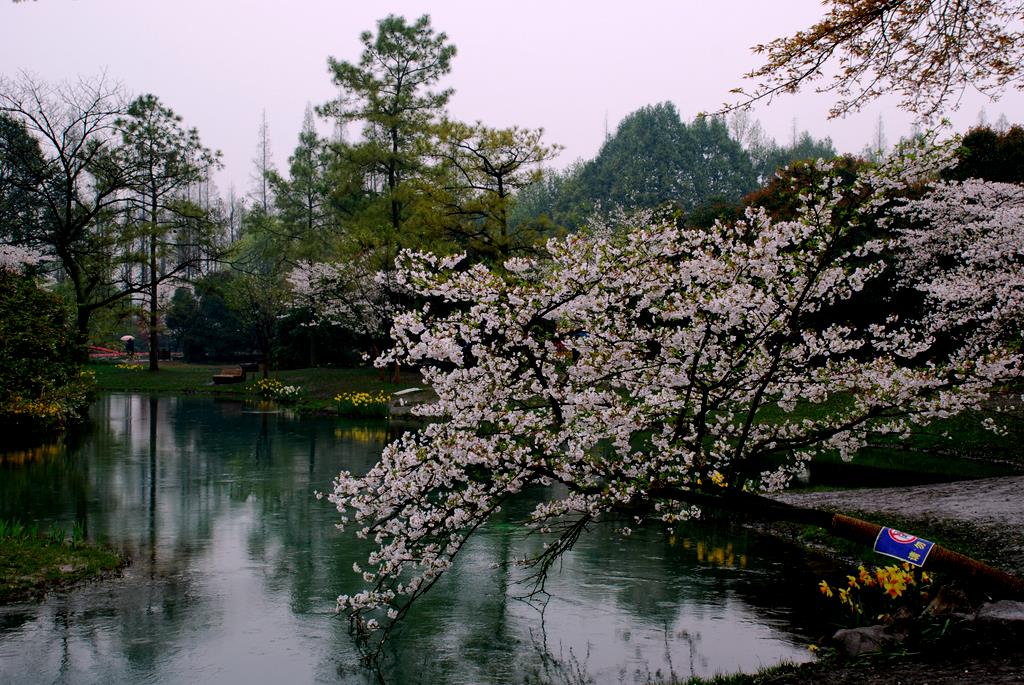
(568, 67)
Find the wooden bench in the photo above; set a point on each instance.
(233, 374)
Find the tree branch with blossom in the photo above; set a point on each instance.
(641, 375)
(927, 51)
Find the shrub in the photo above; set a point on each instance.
(43, 389)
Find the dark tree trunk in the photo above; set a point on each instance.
(154, 335)
(82, 334)
(980, 575)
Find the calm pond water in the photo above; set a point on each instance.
(235, 567)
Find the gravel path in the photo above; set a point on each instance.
(993, 506)
(989, 503)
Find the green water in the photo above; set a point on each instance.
(235, 567)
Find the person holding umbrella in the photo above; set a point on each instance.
(129, 345)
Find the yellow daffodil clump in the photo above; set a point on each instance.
(273, 389)
(363, 404)
(876, 593)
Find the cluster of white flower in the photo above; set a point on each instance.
(648, 369)
(16, 258)
(967, 255)
(345, 294)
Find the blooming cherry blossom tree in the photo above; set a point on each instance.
(17, 258)
(636, 376)
(967, 255)
(345, 294)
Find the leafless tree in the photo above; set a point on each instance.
(926, 51)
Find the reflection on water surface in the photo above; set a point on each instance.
(236, 566)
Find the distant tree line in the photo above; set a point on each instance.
(115, 194)
(654, 159)
(108, 191)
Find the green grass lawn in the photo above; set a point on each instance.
(946, 450)
(319, 385)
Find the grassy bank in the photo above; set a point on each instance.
(947, 449)
(319, 385)
(33, 563)
(952, 449)
(955, 448)
(960, 536)
(766, 675)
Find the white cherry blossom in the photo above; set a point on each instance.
(639, 373)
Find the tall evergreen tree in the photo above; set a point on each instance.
(654, 158)
(21, 167)
(483, 169)
(718, 169)
(639, 166)
(164, 158)
(302, 198)
(262, 168)
(391, 92)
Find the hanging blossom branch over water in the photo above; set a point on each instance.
(650, 370)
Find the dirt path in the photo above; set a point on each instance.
(993, 507)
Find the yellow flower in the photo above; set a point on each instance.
(825, 589)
